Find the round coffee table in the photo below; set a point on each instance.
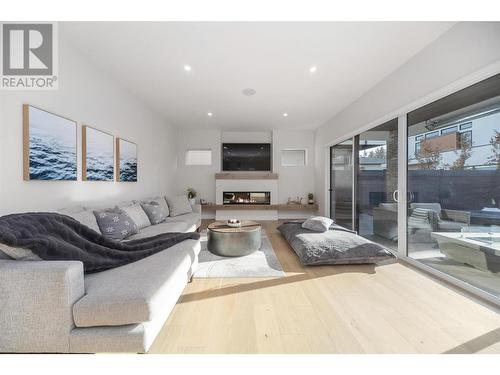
(234, 242)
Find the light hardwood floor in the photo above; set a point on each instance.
(389, 308)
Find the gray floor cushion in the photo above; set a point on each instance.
(335, 246)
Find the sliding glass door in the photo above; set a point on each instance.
(364, 184)
(377, 184)
(453, 217)
(341, 183)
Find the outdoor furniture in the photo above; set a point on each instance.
(480, 250)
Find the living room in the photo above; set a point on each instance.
(249, 187)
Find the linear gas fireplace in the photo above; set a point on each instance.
(246, 197)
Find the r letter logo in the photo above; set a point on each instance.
(29, 58)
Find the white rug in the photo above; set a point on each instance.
(262, 263)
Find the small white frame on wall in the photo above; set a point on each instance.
(293, 157)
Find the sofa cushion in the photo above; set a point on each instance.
(154, 230)
(17, 253)
(116, 225)
(136, 292)
(450, 226)
(137, 214)
(191, 219)
(178, 205)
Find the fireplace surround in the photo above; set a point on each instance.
(246, 197)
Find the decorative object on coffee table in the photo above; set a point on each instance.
(234, 223)
(191, 194)
(233, 242)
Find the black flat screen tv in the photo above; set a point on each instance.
(246, 157)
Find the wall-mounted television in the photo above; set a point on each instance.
(246, 157)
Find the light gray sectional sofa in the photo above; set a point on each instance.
(51, 306)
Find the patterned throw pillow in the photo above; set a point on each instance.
(154, 211)
(115, 224)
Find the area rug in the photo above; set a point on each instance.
(262, 263)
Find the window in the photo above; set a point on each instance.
(453, 129)
(419, 138)
(199, 157)
(417, 148)
(432, 135)
(467, 125)
(293, 158)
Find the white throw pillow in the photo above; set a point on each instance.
(318, 223)
(19, 253)
(178, 205)
(86, 218)
(137, 215)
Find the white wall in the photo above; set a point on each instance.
(199, 177)
(89, 97)
(463, 50)
(292, 181)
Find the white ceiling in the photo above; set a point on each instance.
(272, 58)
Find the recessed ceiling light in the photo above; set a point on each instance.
(187, 68)
(313, 69)
(249, 92)
(285, 114)
(210, 114)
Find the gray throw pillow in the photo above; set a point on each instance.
(154, 211)
(137, 214)
(116, 225)
(318, 223)
(178, 205)
(161, 201)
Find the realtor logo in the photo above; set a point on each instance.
(29, 58)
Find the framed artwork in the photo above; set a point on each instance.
(98, 155)
(126, 161)
(49, 146)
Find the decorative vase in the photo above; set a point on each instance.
(311, 201)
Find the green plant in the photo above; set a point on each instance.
(310, 196)
(191, 193)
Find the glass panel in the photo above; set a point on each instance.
(341, 183)
(454, 193)
(377, 182)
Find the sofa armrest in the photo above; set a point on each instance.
(36, 304)
(196, 208)
(455, 215)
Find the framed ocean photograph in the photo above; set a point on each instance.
(98, 155)
(126, 161)
(49, 146)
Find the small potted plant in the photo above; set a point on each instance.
(191, 194)
(310, 198)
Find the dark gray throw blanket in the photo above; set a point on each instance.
(338, 245)
(53, 236)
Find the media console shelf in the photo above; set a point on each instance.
(246, 176)
(279, 207)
